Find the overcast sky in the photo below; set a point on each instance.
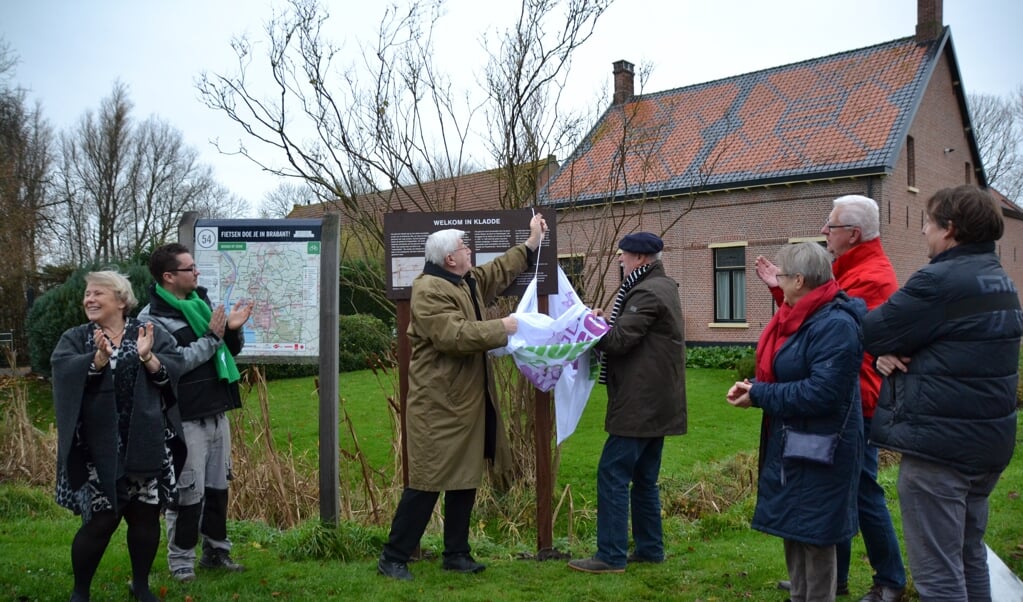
(72, 51)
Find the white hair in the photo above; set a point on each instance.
(442, 243)
(118, 284)
(857, 210)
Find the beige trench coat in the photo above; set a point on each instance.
(448, 370)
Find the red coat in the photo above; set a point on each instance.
(864, 271)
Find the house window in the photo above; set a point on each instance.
(910, 162)
(572, 265)
(730, 284)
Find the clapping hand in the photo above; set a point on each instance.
(239, 314)
(145, 340)
(217, 321)
(104, 349)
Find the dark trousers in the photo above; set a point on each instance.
(879, 536)
(413, 514)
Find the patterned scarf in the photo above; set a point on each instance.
(630, 281)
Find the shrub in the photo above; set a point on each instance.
(280, 371)
(60, 308)
(364, 341)
(360, 282)
(746, 367)
(721, 358)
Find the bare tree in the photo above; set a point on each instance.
(348, 130)
(280, 201)
(124, 186)
(371, 136)
(998, 127)
(95, 166)
(524, 80)
(26, 152)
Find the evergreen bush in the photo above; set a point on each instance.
(364, 340)
(717, 357)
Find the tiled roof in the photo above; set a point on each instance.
(483, 190)
(1008, 207)
(842, 114)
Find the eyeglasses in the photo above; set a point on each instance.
(465, 248)
(192, 268)
(829, 227)
(780, 275)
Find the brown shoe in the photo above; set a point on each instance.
(593, 565)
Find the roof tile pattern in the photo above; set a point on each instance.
(844, 113)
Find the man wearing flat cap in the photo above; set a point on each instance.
(643, 365)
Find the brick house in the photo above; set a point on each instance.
(734, 168)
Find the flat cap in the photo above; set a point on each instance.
(643, 243)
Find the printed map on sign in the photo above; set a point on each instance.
(275, 265)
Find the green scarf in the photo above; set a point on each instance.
(198, 313)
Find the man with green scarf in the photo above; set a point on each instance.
(208, 339)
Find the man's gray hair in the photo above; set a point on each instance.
(857, 210)
(442, 243)
(806, 258)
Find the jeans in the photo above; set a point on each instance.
(625, 460)
(944, 516)
(875, 525)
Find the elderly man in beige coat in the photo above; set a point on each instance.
(452, 419)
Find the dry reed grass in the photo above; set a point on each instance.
(281, 487)
(714, 490)
(269, 485)
(27, 454)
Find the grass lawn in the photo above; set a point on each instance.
(717, 557)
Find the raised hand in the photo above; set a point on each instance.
(537, 228)
(239, 314)
(767, 271)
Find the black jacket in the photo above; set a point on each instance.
(201, 392)
(959, 321)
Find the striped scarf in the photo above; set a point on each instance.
(630, 281)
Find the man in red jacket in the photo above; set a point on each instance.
(862, 270)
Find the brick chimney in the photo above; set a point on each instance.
(624, 76)
(928, 20)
